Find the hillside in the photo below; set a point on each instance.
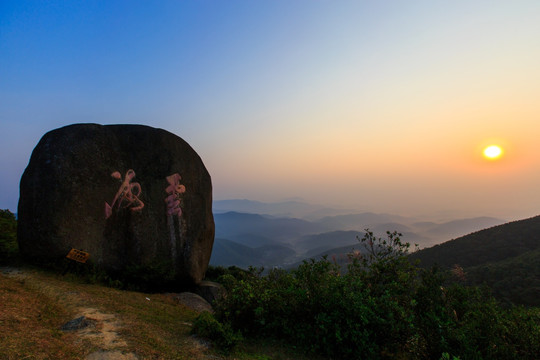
(504, 257)
(123, 325)
(129, 325)
(485, 246)
(515, 280)
(460, 227)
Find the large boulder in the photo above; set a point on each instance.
(132, 196)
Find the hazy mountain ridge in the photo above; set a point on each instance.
(270, 240)
(311, 245)
(464, 225)
(233, 224)
(291, 208)
(505, 256)
(228, 253)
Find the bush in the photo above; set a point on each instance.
(382, 307)
(357, 314)
(8, 235)
(153, 277)
(206, 326)
(215, 273)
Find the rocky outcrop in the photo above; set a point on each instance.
(130, 196)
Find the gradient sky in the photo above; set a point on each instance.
(379, 106)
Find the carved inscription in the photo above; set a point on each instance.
(174, 202)
(175, 190)
(127, 195)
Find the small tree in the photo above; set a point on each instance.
(383, 262)
(381, 251)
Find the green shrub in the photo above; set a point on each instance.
(206, 326)
(215, 273)
(382, 307)
(446, 356)
(522, 332)
(357, 314)
(8, 235)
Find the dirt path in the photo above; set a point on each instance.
(104, 335)
(101, 330)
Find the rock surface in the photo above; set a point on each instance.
(130, 196)
(210, 291)
(76, 324)
(193, 301)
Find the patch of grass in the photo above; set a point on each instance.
(30, 322)
(154, 329)
(159, 326)
(34, 309)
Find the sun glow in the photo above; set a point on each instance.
(493, 152)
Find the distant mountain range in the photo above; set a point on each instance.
(227, 253)
(292, 208)
(260, 234)
(505, 256)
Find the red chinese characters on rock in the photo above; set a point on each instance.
(175, 190)
(127, 196)
(173, 201)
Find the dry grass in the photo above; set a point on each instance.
(39, 303)
(30, 322)
(35, 304)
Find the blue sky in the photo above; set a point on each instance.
(373, 105)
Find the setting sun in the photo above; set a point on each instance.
(493, 152)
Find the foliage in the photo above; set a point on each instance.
(88, 272)
(35, 303)
(514, 281)
(155, 276)
(8, 235)
(205, 325)
(214, 273)
(383, 306)
(446, 356)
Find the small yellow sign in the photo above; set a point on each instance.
(78, 255)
